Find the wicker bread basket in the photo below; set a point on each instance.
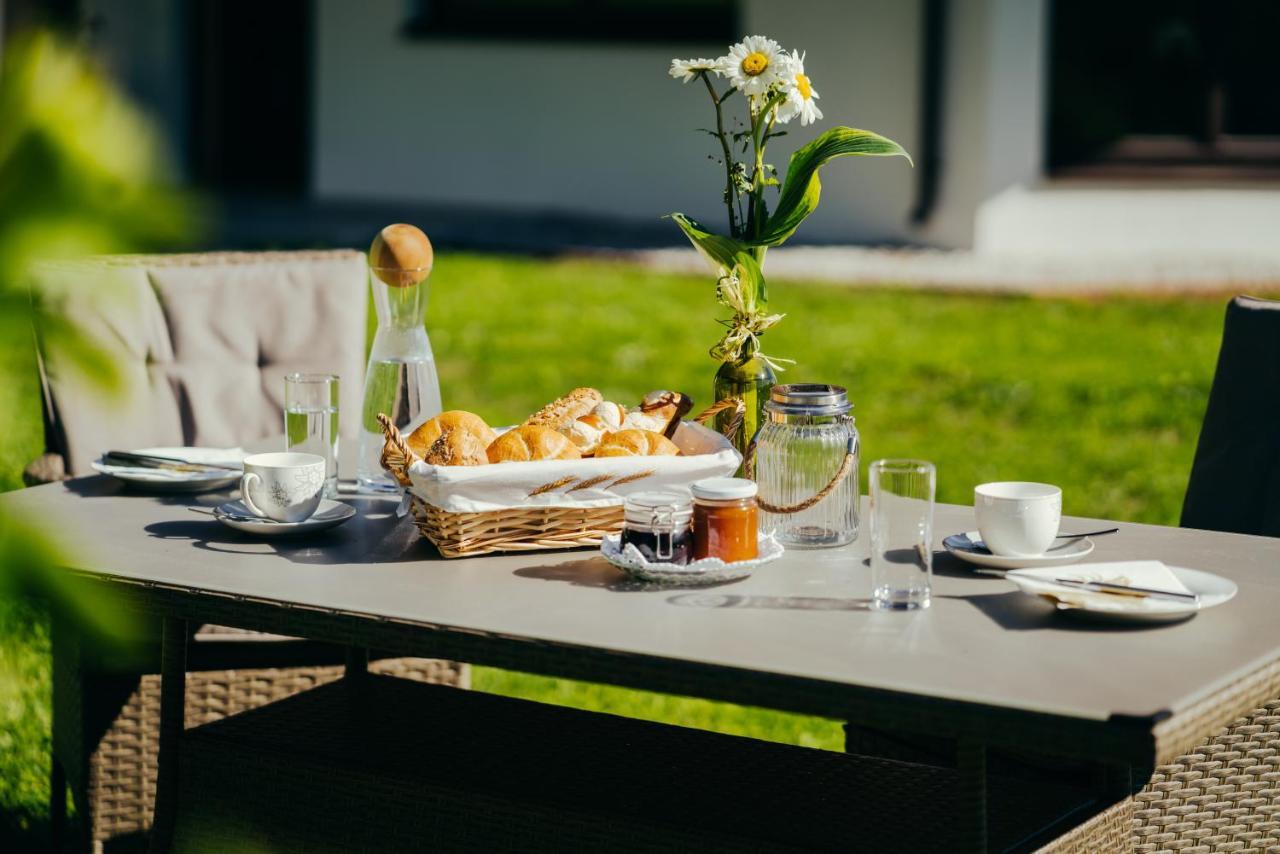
(533, 527)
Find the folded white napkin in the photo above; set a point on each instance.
(228, 457)
(1151, 574)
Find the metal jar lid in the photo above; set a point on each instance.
(648, 511)
(808, 399)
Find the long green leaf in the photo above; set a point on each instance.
(717, 249)
(801, 189)
(725, 254)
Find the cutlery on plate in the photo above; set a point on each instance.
(1126, 590)
(128, 458)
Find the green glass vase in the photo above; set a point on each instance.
(749, 380)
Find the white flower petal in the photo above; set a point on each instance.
(757, 82)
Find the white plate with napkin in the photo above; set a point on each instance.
(168, 480)
(1088, 590)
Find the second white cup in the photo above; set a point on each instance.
(1018, 518)
(285, 487)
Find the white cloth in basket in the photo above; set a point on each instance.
(500, 486)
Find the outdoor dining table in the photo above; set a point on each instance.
(986, 668)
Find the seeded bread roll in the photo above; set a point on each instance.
(421, 440)
(457, 448)
(636, 443)
(531, 442)
(559, 414)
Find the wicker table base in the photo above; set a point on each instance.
(388, 765)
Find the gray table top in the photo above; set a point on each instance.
(803, 616)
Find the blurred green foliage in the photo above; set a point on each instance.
(80, 174)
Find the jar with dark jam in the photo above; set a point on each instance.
(660, 526)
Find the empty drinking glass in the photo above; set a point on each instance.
(311, 421)
(901, 533)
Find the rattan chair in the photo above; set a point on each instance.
(202, 343)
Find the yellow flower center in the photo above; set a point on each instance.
(802, 83)
(755, 63)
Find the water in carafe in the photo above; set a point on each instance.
(401, 380)
(408, 391)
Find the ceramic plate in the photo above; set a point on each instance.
(156, 480)
(234, 514)
(970, 548)
(700, 573)
(1212, 590)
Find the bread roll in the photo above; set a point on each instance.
(588, 430)
(636, 443)
(457, 448)
(559, 414)
(660, 412)
(421, 440)
(531, 442)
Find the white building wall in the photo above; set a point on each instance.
(995, 106)
(599, 129)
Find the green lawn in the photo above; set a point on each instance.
(1101, 396)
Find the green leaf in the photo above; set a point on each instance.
(725, 254)
(717, 249)
(802, 188)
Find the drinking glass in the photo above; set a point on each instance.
(311, 421)
(901, 533)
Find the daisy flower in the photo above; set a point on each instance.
(753, 65)
(800, 92)
(685, 70)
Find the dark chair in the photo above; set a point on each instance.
(1235, 480)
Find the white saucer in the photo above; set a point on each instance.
(1212, 590)
(327, 515)
(160, 480)
(970, 548)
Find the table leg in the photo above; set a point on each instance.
(57, 805)
(173, 701)
(357, 663)
(971, 761)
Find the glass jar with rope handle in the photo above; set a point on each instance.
(806, 460)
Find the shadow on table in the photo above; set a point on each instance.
(593, 572)
(375, 536)
(1018, 612)
(711, 599)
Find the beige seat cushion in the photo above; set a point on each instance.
(202, 344)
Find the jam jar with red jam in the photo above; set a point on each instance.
(660, 526)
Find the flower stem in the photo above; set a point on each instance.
(731, 190)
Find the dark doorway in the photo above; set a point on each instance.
(251, 95)
(1165, 88)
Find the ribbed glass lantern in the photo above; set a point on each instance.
(800, 450)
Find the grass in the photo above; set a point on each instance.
(1103, 397)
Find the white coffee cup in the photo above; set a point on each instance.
(1018, 518)
(286, 487)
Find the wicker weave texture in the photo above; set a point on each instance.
(366, 765)
(122, 771)
(1222, 796)
(1110, 830)
(525, 529)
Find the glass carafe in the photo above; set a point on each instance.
(799, 450)
(401, 380)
